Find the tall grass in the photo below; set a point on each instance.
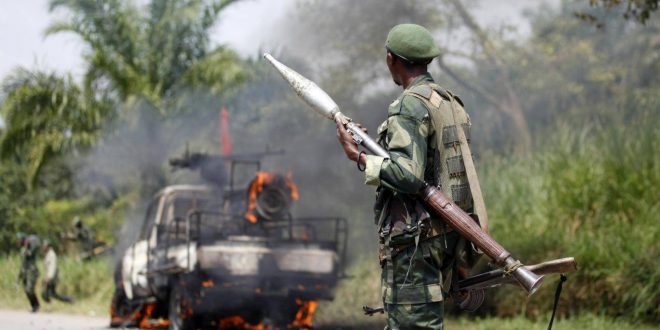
(592, 194)
(89, 283)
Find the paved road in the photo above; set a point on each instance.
(24, 320)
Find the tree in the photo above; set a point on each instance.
(350, 53)
(491, 81)
(46, 116)
(150, 53)
(639, 10)
(144, 59)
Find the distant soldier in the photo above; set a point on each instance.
(29, 272)
(51, 275)
(85, 237)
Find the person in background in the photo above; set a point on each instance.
(29, 272)
(51, 275)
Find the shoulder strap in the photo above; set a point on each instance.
(432, 94)
(471, 172)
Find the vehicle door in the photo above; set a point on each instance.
(136, 258)
(175, 244)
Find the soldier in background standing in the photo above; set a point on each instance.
(51, 275)
(29, 272)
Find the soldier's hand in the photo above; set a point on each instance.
(364, 129)
(346, 141)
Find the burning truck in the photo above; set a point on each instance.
(228, 255)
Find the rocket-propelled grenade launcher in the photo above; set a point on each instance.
(453, 215)
(322, 103)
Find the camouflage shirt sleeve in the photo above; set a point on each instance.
(407, 135)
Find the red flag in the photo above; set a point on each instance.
(225, 137)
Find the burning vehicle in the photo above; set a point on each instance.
(221, 256)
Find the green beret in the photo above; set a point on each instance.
(412, 42)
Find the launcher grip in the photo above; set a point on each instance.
(497, 277)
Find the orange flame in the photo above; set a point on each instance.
(208, 283)
(121, 319)
(292, 186)
(257, 186)
(147, 323)
(237, 323)
(304, 315)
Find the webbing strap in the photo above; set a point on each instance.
(389, 266)
(473, 180)
(562, 279)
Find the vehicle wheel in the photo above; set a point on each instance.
(281, 313)
(180, 312)
(121, 312)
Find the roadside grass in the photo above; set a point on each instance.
(591, 194)
(362, 288)
(581, 322)
(89, 283)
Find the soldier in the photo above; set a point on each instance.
(29, 272)
(86, 238)
(51, 275)
(418, 253)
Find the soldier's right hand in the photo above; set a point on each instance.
(346, 141)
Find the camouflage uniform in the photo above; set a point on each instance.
(413, 255)
(86, 238)
(418, 253)
(29, 272)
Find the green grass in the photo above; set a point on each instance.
(593, 195)
(582, 322)
(362, 288)
(90, 283)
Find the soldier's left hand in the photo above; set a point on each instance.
(346, 141)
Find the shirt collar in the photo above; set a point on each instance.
(423, 78)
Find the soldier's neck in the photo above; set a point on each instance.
(410, 76)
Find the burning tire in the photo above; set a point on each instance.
(122, 314)
(180, 312)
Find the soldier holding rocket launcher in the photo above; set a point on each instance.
(424, 159)
(419, 255)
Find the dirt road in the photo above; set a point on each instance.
(24, 320)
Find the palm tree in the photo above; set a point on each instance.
(149, 52)
(45, 116)
(144, 58)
